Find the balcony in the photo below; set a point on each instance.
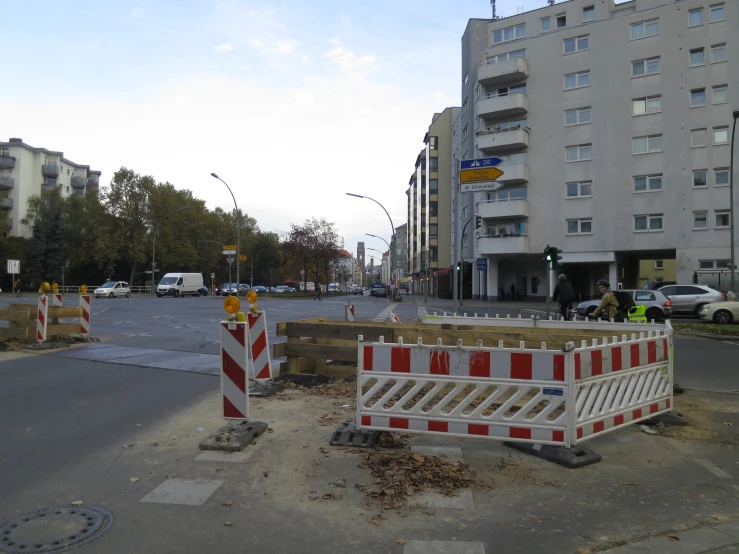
(499, 209)
(501, 141)
(50, 170)
(7, 161)
(48, 187)
(6, 203)
(495, 106)
(514, 173)
(505, 71)
(6, 182)
(78, 181)
(504, 245)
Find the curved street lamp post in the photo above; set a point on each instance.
(392, 227)
(154, 248)
(238, 232)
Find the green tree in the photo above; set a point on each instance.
(37, 254)
(267, 254)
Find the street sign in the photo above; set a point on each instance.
(479, 187)
(479, 163)
(242, 257)
(230, 247)
(14, 267)
(302, 272)
(479, 175)
(229, 252)
(482, 264)
(212, 275)
(230, 261)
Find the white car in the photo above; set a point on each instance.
(720, 312)
(112, 289)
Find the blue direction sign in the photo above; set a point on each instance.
(480, 163)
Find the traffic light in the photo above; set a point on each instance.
(478, 221)
(556, 258)
(548, 256)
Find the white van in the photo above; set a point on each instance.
(180, 284)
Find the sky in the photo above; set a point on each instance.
(293, 104)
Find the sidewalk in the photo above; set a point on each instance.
(719, 538)
(490, 305)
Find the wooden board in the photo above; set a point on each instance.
(280, 330)
(322, 352)
(348, 330)
(17, 333)
(16, 315)
(63, 329)
(62, 312)
(340, 370)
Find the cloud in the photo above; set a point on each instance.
(223, 48)
(278, 47)
(137, 12)
(348, 62)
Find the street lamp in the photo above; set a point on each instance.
(392, 227)
(154, 249)
(732, 260)
(382, 239)
(238, 232)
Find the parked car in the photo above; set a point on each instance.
(227, 289)
(291, 289)
(281, 288)
(654, 285)
(204, 291)
(113, 289)
(358, 290)
(720, 312)
(378, 289)
(689, 299)
(259, 288)
(658, 305)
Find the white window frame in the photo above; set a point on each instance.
(578, 116)
(702, 52)
(645, 67)
(724, 88)
(716, 214)
(648, 220)
(690, 13)
(718, 170)
(693, 143)
(704, 214)
(548, 19)
(649, 140)
(646, 100)
(464, 212)
(705, 178)
(721, 128)
(711, 9)
(580, 148)
(465, 105)
(588, 14)
(577, 76)
(647, 183)
(580, 185)
(580, 222)
(716, 47)
(643, 25)
(578, 40)
(659, 264)
(703, 90)
(515, 29)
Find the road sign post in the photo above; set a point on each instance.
(14, 268)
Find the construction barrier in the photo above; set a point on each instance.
(349, 312)
(57, 300)
(234, 369)
(261, 367)
(534, 322)
(392, 318)
(41, 318)
(86, 305)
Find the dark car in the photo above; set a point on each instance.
(378, 289)
(358, 290)
(204, 291)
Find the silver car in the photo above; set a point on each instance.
(689, 299)
(658, 305)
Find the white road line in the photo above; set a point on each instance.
(717, 471)
(382, 316)
(421, 311)
(729, 342)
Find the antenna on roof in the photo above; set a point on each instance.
(550, 2)
(492, 3)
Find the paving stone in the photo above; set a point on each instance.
(190, 492)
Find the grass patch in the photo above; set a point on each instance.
(729, 329)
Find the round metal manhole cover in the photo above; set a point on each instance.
(56, 529)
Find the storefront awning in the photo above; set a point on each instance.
(444, 271)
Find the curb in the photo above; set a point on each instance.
(706, 335)
(695, 541)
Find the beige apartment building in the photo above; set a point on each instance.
(613, 122)
(26, 171)
(429, 208)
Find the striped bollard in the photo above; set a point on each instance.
(350, 312)
(85, 303)
(393, 318)
(234, 339)
(57, 300)
(261, 369)
(41, 320)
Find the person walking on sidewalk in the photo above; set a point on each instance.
(318, 293)
(17, 288)
(566, 294)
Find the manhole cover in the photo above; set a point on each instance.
(54, 529)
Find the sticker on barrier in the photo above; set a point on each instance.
(234, 354)
(260, 369)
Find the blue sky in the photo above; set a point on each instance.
(292, 103)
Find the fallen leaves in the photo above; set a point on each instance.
(171, 476)
(629, 483)
(227, 503)
(77, 503)
(375, 520)
(391, 440)
(583, 550)
(721, 517)
(654, 462)
(341, 483)
(134, 479)
(265, 473)
(673, 537)
(550, 483)
(401, 541)
(336, 495)
(128, 445)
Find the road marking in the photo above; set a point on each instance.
(717, 471)
(382, 316)
(189, 492)
(729, 342)
(129, 335)
(421, 311)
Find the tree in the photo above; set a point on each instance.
(267, 253)
(37, 253)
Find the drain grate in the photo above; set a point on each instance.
(55, 529)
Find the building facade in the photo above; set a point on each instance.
(26, 171)
(360, 258)
(613, 122)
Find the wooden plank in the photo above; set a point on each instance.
(19, 333)
(322, 352)
(293, 363)
(338, 331)
(62, 312)
(279, 349)
(15, 315)
(63, 329)
(340, 371)
(342, 342)
(321, 360)
(283, 368)
(281, 328)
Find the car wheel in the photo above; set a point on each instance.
(723, 316)
(654, 314)
(159, 295)
(128, 294)
(197, 293)
(111, 295)
(176, 294)
(698, 309)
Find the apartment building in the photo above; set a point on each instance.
(613, 122)
(26, 171)
(400, 245)
(429, 208)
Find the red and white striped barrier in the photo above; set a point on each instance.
(234, 372)
(349, 312)
(261, 367)
(85, 304)
(57, 300)
(599, 360)
(42, 318)
(393, 318)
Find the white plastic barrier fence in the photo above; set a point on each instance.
(57, 300)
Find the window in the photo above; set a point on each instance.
(545, 24)
(577, 116)
(579, 226)
(648, 183)
(434, 163)
(722, 219)
(582, 189)
(561, 20)
(464, 240)
(695, 17)
(576, 44)
(646, 145)
(433, 185)
(433, 230)
(700, 220)
(645, 295)
(433, 143)
(588, 14)
(464, 106)
(648, 223)
(698, 138)
(699, 178)
(465, 132)
(509, 33)
(578, 153)
(717, 13)
(649, 66)
(721, 177)
(697, 57)
(577, 80)
(659, 264)
(697, 98)
(718, 53)
(720, 94)
(651, 104)
(645, 29)
(721, 135)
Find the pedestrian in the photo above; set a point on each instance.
(318, 293)
(566, 294)
(615, 304)
(501, 294)
(18, 291)
(513, 291)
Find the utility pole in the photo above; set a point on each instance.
(457, 236)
